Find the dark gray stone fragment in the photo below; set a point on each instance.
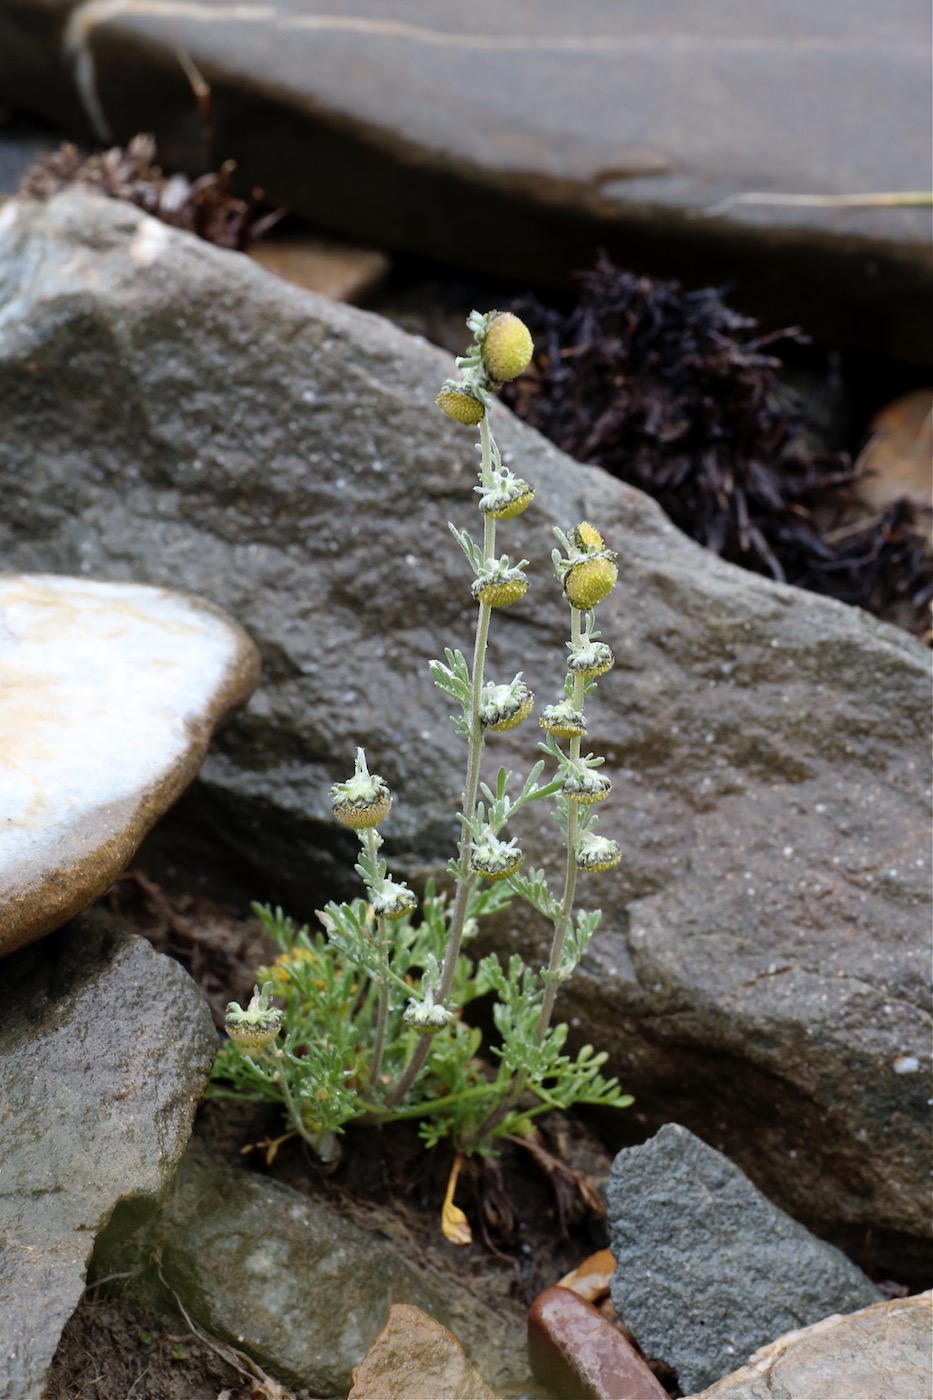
(707, 1269)
(105, 1046)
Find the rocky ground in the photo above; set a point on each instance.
(179, 418)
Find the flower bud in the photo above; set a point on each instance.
(504, 707)
(425, 1017)
(507, 348)
(594, 853)
(364, 800)
(497, 590)
(461, 406)
(257, 1026)
(590, 659)
(494, 859)
(586, 584)
(510, 496)
(586, 537)
(585, 785)
(563, 720)
(394, 901)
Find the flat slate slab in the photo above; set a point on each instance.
(105, 1047)
(110, 694)
(518, 139)
(761, 972)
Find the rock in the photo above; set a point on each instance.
(332, 269)
(177, 416)
(519, 146)
(304, 1292)
(707, 1268)
(896, 458)
(578, 1355)
(590, 1280)
(111, 692)
(415, 1358)
(106, 1046)
(880, 1353)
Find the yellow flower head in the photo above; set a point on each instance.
(460, 406)
(507, 348)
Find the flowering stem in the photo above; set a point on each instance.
(470, 791)
(562, 922)
(382, 1011)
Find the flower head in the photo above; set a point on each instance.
(503, 707)
(460, 404)
(494, 859)
(582, 784)
(258, 1025)
(394, 900)
(364, 800)
(594, 853)
(563, 720)
(589, 659)
(507, 347)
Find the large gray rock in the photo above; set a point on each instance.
(880, 1353)
(284, 1277)
(519, 139)
(105, 1047)
(707, 1269)
(175, 415)
(110, 694)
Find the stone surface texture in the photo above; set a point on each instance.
(707, 1269)
(176, 416)
(105, 1047)
(880, 1353)
(578, 1355)
(285, 1278)
(524, 138)
(415, 1358)
(331, 269)
(110, 694)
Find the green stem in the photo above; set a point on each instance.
(563, 919)
(282, 1080)
(382, 1010)
(470, 792)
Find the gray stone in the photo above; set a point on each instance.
(105, 1047)
(175, 415)
(285, 1278)
(111, 692)
(521, 138)
(880, 1353)
(707, 1269)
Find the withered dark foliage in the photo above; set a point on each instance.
(204, 206)
(673, 392)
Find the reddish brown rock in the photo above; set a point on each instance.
(576, 1353)
(415, 1358)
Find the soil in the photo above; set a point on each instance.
(536, 1211)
